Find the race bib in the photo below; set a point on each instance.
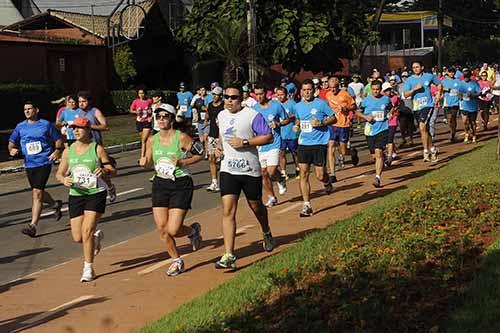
(238, 165)
(165, 169)
(466, 98)
(305, 126)
(33, 148)
(421, 102)
(379, 115)
(84, 178)
(183, 108)
(453, 92)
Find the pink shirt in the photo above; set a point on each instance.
(394, 120)
(144, 108)
(486, 90)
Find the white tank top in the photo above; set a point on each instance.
(245, 160)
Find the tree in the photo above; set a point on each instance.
(124, 64)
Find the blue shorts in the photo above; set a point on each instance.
(202, 129)
(339, 134)
(292, 145)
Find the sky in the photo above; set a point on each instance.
(101, 7)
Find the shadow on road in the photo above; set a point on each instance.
(7, 286)
(23, 253)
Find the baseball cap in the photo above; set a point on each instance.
(182, 85)
(285, 79)
(80, 122)
(392, 78)
(316, 81)
(356, 75)
(217, 91)
(245, 88)
(404, 74)
(214, 85)
(166, 108)
(386, 85)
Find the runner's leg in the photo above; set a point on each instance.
(88, 226)
(144, 138)
(36, 210)
(260, 212)
(229, 208)
(305, 187)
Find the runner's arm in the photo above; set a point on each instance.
(63, 169)
(13, 150)
(132, 108)
(107, 170)
(187, 145)
(103, 124)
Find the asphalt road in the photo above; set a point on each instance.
(129, 216)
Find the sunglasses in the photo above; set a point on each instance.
(232, 97)
(163, 116)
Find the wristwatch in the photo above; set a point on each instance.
(246, 143)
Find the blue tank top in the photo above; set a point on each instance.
(90, 115)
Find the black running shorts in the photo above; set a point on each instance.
(378, 141)
(167, 193)
(315, 154)
(39, 176)
(79, 203)
(234, 184)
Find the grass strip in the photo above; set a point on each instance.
(397, 265)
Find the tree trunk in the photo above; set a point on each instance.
(227, 76)
(358, 62)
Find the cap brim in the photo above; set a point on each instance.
(76, 126)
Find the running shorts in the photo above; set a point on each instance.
(202, 129)
(79, 203)
(142, 125)
(378, 141)
(339, 134)
(471, 115)
(234, 184)
(451, 110)
(172, 194)
(484, 105)
(269, 158)
(290, 144)
(425, 115)
(391, 134)
(39, 176)
(315, 154)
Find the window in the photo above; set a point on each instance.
(62, 65)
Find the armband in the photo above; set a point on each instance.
(197, 148)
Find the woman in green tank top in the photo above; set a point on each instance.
(84, 168)
(170, 152)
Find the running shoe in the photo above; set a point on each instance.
(268, 242)
(214, 187)
(474, 139)
(282, 186)
(354, 156)
(297, 174)
(228, 260)
(466, 139)
(57, 210)
(195, 236)
(434, 157)
(272, 201)
(88, 274)
(426, 156)
(348, 145)
(306, 210)
(377, 182)
(340, 162)
(329, 188)
(112, 193)
(333, 179)
(98, 237)
(284, 175)
(30, 230)
(176, 268)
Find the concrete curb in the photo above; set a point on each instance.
(111, 150)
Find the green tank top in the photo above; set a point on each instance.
(81, 168)
(163, 156)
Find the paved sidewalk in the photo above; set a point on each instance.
(132, 288)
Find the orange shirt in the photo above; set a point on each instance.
(336, 102)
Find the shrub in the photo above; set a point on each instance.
(123, 98)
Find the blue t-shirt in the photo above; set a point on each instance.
(287, 132)
(378, 108)
(351, 92)
(451, 97)
(422, 98)
(459, 75)
(36, 141)
(273, 112)
(291, 87)
(305, 112)
(69, 116)
(184, 99)
(469, 104)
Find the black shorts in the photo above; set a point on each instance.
(79, 203)
(142, 125)
(483, 105)
(315, 154)
(234, 184)
(391, 134)
(167, 193)
(471, 115)
(425, 115)
(451, 110)
(378, 141)
(39, 176)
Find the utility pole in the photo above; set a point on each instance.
(252, 41)
(93, 22)
(440, 17)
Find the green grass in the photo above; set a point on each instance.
(340, 278)
(122, 130)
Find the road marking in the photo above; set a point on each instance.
(289, 208)
(360, 176)
(158, 265)
(76, 300)
(240, 230)
(415, 153)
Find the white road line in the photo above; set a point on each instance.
(360, 176)
(289, 208)
(240, 230)
(158, 265)
(76, 300)
(415, 153)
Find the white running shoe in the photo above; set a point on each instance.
(98, 237)
(282, 186)
(213, 187)
(112, 193)
(88, 275)
(272, 201)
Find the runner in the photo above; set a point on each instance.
(485, 99)
(141, 107)
(375, 110)
(289, 139)
(496, 91)
(184, 98)
(84, 166)
(201, 108)
(418, 88)
(269, 154)
(98, 123)
(158, 98)
(388, 90)
(324, 89)
(312, 117)
(41, 145)
(172, 190)
(406, 118)
(213, 110)
(451, 101)
(469, 91)
(343, 104)
(241, 131)
(248, 101)
(357, 86)
(66, 118)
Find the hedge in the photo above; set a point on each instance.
(123, 98)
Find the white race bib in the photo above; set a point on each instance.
(422, 101)
(238, 165)
(83, 177)
(165, 168)
(379, 115)
(183, 108)
(33, 148)
(453, 92)
(466, 98)
(305, 126)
